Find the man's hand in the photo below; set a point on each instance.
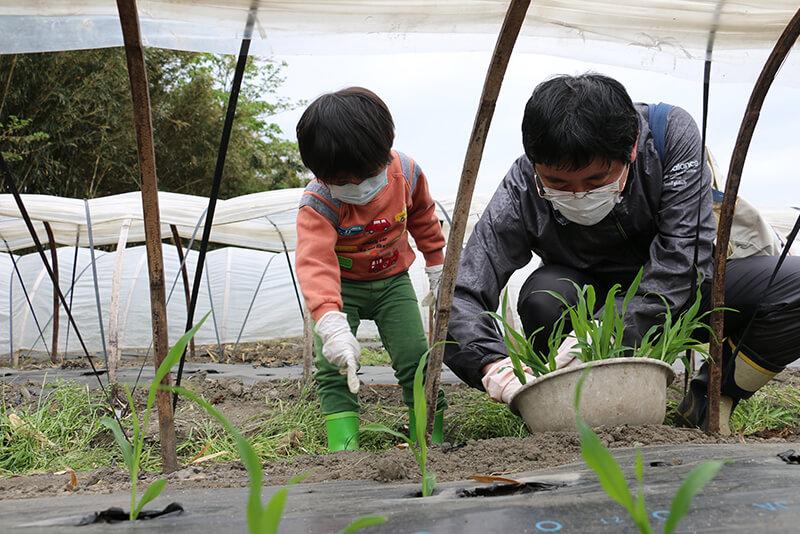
(339, 346)
(500, 381)
(434, 277)
(567, 356)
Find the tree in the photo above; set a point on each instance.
(66, 123)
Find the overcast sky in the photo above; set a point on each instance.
(433, 98)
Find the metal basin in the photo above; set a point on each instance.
(618, 391)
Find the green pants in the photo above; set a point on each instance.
(392, 304)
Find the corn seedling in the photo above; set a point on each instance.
(132, 451)
(261, 519)
(612, 479)
(668, 341)
(418, 447)
(520, 348)
(599, 335)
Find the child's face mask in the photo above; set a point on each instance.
(362, 193)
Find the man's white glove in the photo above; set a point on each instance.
(339, 345)
(434, 277)
(569, 351)
(500, 381)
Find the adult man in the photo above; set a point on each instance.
(594, 200)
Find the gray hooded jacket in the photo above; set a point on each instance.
(653, 226)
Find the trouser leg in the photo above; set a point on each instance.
(773, 340)
(771, 343)
(334, 395)
(395, 310)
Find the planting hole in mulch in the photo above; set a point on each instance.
(99, 372)
(109, 515)
(790, 457)
(501, 490)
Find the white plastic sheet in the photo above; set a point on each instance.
(259, 221)
(661, 35)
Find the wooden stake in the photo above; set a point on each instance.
(113, 318)
(469, 174)
(134, 52)
(54, 264)
(746, 129)
(308, 347)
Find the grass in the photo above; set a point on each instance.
(63, 429)
(370, 356)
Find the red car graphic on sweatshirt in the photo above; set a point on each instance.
(384, 262)
(378, 225)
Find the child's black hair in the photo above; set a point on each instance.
(346, 135)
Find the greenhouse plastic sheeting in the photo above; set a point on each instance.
(661, 35)
(245, 221)
(233, 276)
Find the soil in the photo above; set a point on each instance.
(499, 456)
(274, 353)
(243, 403)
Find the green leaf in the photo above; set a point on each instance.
(247, 454)
(119, 437)
(363, 522)
(273, 513)
(598, 458)
(169, 361)
(694, 482)
(420, 404)
(152, 491)
(428, 484)
(639, 515)
(377, 427)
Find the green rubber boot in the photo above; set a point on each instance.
(437, 436)
(342, 428)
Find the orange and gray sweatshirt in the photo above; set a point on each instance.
(338, 240)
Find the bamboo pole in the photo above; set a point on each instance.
(308, 347)
(134, 52)
(782, 48)
(54, 264)
(113, 318)
(512, 23)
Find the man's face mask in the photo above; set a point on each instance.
(362, 193)
(586, 208)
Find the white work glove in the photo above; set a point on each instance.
(339, 345)
(500, 381)
(434, 277)
(567, 356)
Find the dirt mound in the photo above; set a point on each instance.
(497, 456)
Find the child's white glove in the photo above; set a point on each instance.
(339, 345)
(434, 277)
(500, 381)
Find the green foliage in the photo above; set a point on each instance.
(520, 348)
(599, 333)
(612, 479)
(370, 356)
(66, 123)
(261, 519)
(132, 452)
(420, 446)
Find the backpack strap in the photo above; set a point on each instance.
(319, 198)
(657, 119)
(411, 170)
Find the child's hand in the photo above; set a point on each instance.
(339, 346)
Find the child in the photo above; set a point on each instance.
(353, 252)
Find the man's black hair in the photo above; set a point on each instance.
(571, 120)
(346, 134)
